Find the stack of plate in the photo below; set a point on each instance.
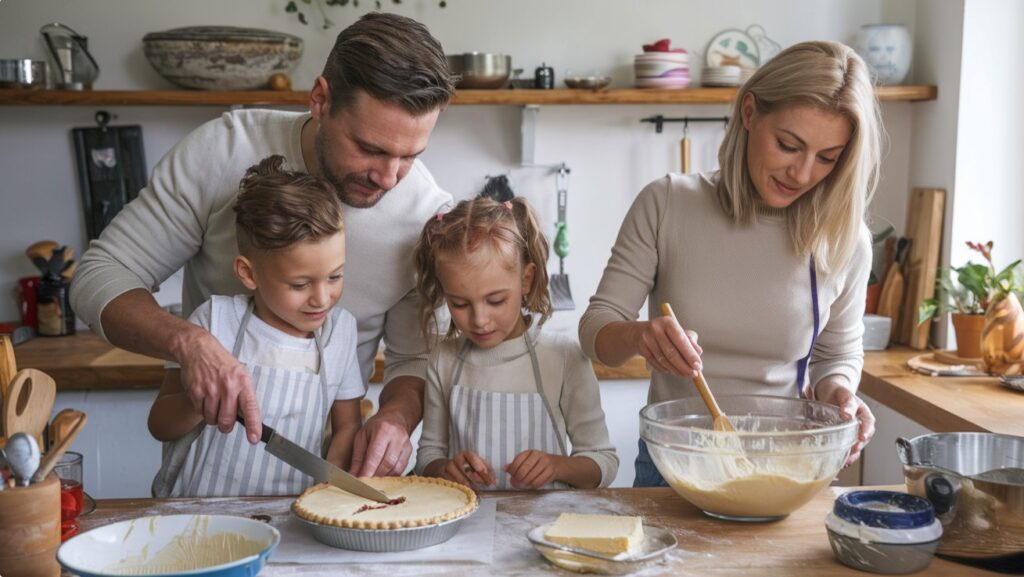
(662, 70)
(722, 76)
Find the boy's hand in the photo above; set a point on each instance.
(469, 469)
(532, 469)
(219, 386)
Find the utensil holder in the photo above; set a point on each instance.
(30, 529)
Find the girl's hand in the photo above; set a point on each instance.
(850, 406)
(531, 469)
(469, 469)
(669, 348)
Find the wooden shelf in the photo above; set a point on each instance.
(462, 97)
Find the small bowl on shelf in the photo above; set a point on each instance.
(587, 82)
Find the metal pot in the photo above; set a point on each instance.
(480, 69)
(975, 481)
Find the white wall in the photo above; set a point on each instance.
(989, 149)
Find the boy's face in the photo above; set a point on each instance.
(485, 296)
(296, 288)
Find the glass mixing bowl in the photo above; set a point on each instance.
(783, 452)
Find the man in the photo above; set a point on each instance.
(370, 116)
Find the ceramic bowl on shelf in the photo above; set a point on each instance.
(221, 57)
(784, 451)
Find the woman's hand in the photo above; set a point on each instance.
(469, 469)
(850, 406)
(669, 348)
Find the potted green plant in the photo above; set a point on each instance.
(980, 299)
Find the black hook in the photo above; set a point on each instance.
(103, 119)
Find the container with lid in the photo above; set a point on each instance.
(883, 531)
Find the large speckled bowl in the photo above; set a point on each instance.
(221, 57)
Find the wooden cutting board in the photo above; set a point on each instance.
(925, 214)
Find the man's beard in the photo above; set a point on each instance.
(344, 185)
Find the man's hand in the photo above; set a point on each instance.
(382, 447)
(219, 386)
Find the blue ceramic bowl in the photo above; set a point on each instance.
(101, 552)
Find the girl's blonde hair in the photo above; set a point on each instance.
(512, 232)
(826, 221)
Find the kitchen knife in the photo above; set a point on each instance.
(314, 466)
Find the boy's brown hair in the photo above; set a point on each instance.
(277, 208)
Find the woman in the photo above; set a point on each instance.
(767, 259)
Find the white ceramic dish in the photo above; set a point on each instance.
(732, 47)
(657, 542)
(99, 552)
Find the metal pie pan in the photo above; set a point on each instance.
(385, 540)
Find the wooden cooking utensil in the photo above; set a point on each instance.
(61, 425)
(684, 153)
(28, 403)
(718, 419)
(40, 253)
(8, 369)
(57, 451)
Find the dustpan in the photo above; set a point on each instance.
(561, 294)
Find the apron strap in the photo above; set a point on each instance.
(801, 365)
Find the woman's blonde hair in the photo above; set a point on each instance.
(826, 221)
(509, 228)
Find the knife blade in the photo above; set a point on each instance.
(314, 466)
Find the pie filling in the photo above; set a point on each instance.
(415, 502)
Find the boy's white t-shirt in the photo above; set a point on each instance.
(267, 346)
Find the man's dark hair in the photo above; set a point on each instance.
(393, 59)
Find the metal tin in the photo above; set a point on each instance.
(385, 540)
(544, 77)
(657, 542)
(883, 531)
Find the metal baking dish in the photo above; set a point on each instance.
(657, 542)
(385, 540)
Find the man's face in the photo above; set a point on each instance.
(366, 148)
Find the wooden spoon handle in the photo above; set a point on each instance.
(56, 452)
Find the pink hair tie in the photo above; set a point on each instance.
(508, 204)
(440, 216)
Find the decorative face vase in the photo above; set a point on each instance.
(887, 49)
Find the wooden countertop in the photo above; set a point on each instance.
(84, 361)
(795, 546)
(943, 404)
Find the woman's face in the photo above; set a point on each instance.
(791, 150)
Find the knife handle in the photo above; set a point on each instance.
(266, 433)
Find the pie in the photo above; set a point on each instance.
(608, 534)
(416, 501)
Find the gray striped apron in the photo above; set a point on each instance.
(209, 464)
(498, 426)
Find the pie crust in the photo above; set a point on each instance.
(427, 501)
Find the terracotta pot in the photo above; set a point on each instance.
(968, 334)
(1002, 339)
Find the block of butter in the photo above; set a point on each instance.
(606, 534)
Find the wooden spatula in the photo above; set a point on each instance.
(718, 419)
(57, 451)
(28, 403)
(8, 369)
(61, 425)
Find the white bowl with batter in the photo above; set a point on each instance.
(783, 452)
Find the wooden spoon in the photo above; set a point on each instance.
(28, 403)
(718, 419)
(8, 369)
(57, 451)
(61, 425)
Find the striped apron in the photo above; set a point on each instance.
(498, 426)
(206, 463)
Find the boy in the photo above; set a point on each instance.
(299, 350)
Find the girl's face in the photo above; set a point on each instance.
(789, 151)
(484, 295)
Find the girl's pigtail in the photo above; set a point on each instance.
(538, 299)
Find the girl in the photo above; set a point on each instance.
(502, 396)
